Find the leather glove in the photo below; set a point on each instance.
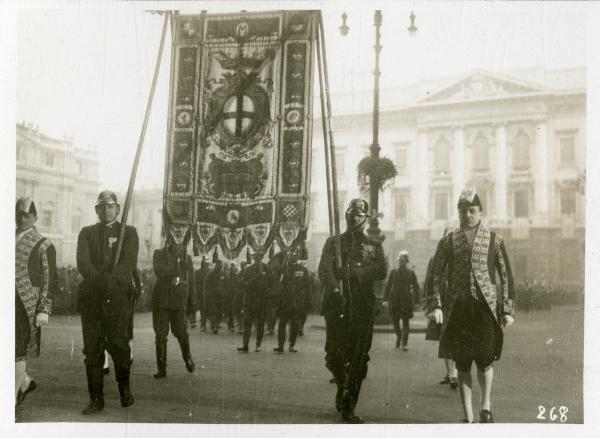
(506, 321)
(437, 316)
(41, 319)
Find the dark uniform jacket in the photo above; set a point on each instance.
(168, 266)
(295, 288)
(256, 285)
(401, 289)
(96, 249)
(362, 264)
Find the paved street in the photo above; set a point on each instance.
(541, 365)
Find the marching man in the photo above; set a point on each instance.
(476, 306)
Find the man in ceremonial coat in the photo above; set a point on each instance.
(476, 307)
(36, 281)
(105, 299)
(350, 310)
(400, 291)
(256, 284)
(172, 297)
(295, 286)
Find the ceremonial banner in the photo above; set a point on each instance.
(240, 128)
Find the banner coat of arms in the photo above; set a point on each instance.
(240, 129)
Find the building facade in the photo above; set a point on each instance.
(63, 181)
(518, 140)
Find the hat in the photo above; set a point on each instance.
(106, 197)
(25, 205)
(469, 198)
(358, 207)
(403, 255)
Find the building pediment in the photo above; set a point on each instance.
(480, 85)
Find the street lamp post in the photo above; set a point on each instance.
(374, 232)
(374, 185)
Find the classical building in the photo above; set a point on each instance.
(63, 181)
(519, 139)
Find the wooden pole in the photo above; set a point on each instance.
(325, 139)
(138, 152)
(329, 144)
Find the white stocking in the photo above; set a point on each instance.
(19, 375)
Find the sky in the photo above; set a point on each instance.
(85, 69)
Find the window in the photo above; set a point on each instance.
(521, 203)
(76, 221)
(441, 157)
(340, 165)
(567, 150)
(520, 155)
(441, 206)
(567, 202)
(20, 154)
(49, 159)
(480, 153)
(569, 268)
(401, 161)
(47, 215)
(401, 204)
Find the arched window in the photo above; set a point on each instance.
(520, 151)
(441, 157)
(481, 153)
(48, 215)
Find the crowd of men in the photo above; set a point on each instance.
(469, 295)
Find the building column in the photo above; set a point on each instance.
(541, 174)
(458, 170)
(421, 191)
(501, 176)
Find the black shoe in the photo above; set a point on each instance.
(126, 395)
(257, 349)
(96, 404)
(193, 325)
(242, 349)
(445, 381)
(453, 383)
(215, 331)
(332, 380)
(160, 374)
(351, 418)
(189, 365)
(292, 350)
(21, 394)
(485, 416)
(106, 370)
(278, 349)
(466, 420)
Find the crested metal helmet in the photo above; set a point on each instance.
(403, 256)
(358, 207)
(106, 197)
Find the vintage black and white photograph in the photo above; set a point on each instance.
(273, 213)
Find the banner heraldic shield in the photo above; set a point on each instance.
(240, 128)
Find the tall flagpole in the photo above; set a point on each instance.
(138, 152)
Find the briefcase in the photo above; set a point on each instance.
(433, 331)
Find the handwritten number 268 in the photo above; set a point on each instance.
(552, 415)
